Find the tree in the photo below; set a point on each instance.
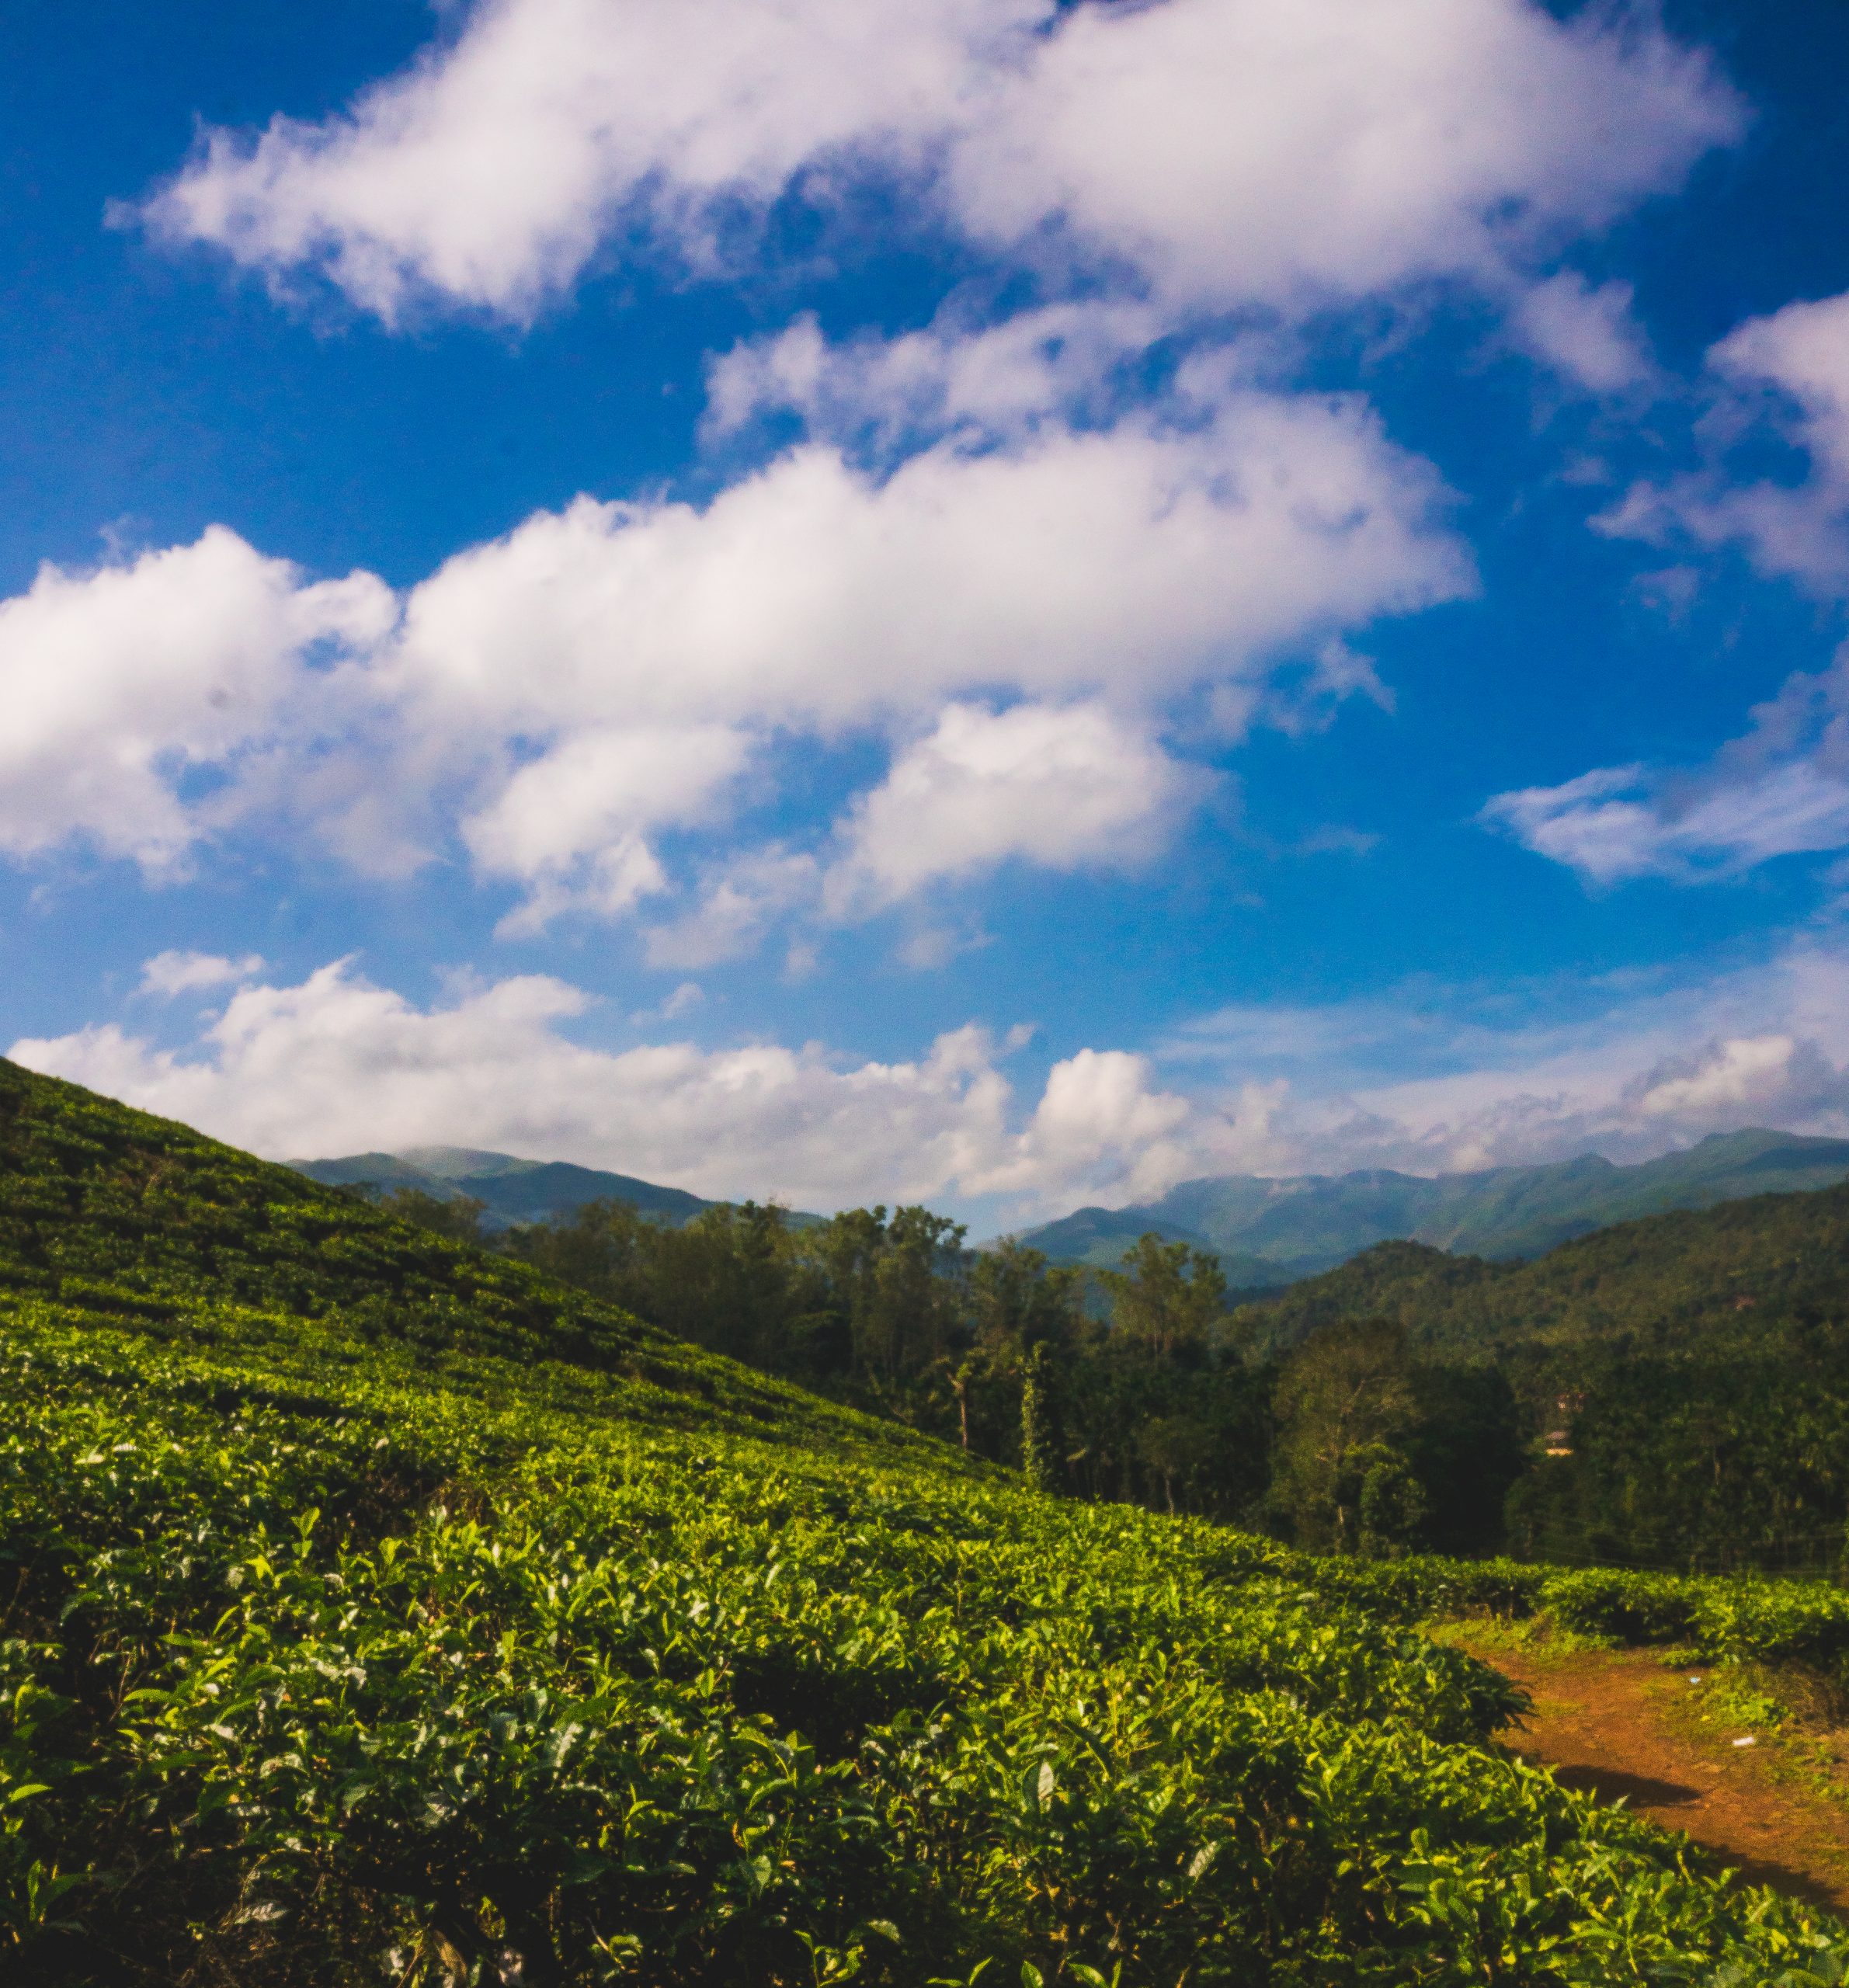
(1347, 1387)
(1041, 1443)
(1392, 1504)
(1168, 1299)
(1175, 1447)
(458, 1217)
(1016, 1300)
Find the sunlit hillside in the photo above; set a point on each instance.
(376, 1611)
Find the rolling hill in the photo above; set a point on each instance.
(1277, 1231)
(376, 1610)
(1728, 1272)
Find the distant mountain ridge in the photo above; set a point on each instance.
(1275, 1232)
(510, 1190)
(1730, 1275)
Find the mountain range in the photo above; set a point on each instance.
(510, 1190)
(1269, 1232)
(1716, 1278)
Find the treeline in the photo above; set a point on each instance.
(1348, 1443)
(1720, 1446)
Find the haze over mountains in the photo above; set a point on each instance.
(1267, 1232)
(1272, 1231)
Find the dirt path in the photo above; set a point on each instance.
(1615, 1722)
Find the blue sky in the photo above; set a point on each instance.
(1002, 604)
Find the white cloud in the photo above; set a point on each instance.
(569, 825)
(1068, 787)
(1226, 150)
(739, 902)
(1144, 560)
(556, 698)
(1742, 1073)
(335, 1065)
(1588, 335)
(171, 973)
(1235, 150)
(489, 171)
(1782, 789)
(1803, 352)
(134, 691)
(960, 376)
(1098, 1107)
(1786, 375)
(651, 653)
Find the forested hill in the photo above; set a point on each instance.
(1732, 1272)
(111, 1215)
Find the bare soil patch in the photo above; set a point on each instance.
(1617, 1723)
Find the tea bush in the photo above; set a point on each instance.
(367, 1619)
(1732, 1620)
(398, 1680)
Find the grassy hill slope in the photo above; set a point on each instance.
(1726, 1272)
(372, 1611)
(113, 1217)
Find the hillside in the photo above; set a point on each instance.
(1723, 1273)
(112, 1216)
(509, 1190)
(376, 1611)
(1300, 1226)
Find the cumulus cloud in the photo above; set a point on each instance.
(1068, 787)
(171, 973)
(1231, 150)
(570, 825)
(1781, 789)
(135, 692)
(489, 172)
(739, 902)
(1784, 377)
(1144, 558)
(817, 596)
(337, 1064)
(1222, 150)
(1587, 334)
(554, 702)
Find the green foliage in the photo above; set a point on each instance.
(1344, 1396)
(1781, 1624)
(410, 1682)
(1040, 1444)
(337, 1654)
(1168, 1299)
(457, 1216)
(1392, 1504)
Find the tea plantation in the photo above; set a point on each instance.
(372, 1610)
